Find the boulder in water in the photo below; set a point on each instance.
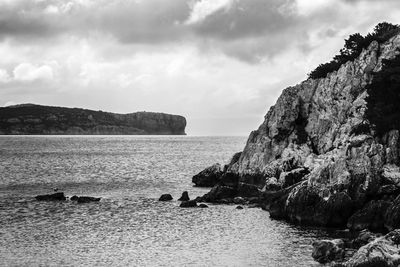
(202, 205)
(59, 196)
(328, 250)
(74, 198)
(188, 204)
(184, 197)
(208, 177)
(165, 197)
(86, 199)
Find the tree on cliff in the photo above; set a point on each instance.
(353, 47)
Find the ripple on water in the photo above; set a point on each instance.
(129, 227)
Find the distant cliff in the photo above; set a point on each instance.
(47, 120)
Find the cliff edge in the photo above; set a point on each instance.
(36, 119)
(328, 151)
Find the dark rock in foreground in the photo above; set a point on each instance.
(52, 197)
(328, 250)
(188, 204)
(165, 197)
(184, 197)
(208, 177)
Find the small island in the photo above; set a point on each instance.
(31, 119)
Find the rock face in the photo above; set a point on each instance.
(317, 156)
(36, 119)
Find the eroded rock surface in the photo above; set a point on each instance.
(317, 158)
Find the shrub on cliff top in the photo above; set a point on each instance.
(384, 97)
(353, 46)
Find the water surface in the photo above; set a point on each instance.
(129, 227)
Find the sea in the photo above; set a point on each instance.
(129, 226)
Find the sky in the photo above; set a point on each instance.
(219, 63)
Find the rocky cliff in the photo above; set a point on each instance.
(36, 119)
(318, 157)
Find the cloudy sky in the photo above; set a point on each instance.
(220, 63)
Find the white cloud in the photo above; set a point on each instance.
(29, 72)
(203, 8)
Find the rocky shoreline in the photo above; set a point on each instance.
(319, 159)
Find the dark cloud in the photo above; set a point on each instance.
(249, 30)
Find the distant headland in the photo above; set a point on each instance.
(31, 119)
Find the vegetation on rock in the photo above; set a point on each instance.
(353, 47)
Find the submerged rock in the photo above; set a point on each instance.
(52, 197)
(328, 250)
(184, 197)
(165, 197)
(188, 204)
(208, 177)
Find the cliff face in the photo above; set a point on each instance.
(316, 156)
(36, 119)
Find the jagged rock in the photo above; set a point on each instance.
(304, 205)
(328, 250)
(52, 197)
(380, 252)
(292, 177)
(371, 216)
(202, 205)
(391, 173)
(323, 126)
(165, 197)
(272, 184)
(85, 199)
(218, 193)
(184, 197)
(188, 204)
(247, 190)
(363, 238)
(208, 177)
